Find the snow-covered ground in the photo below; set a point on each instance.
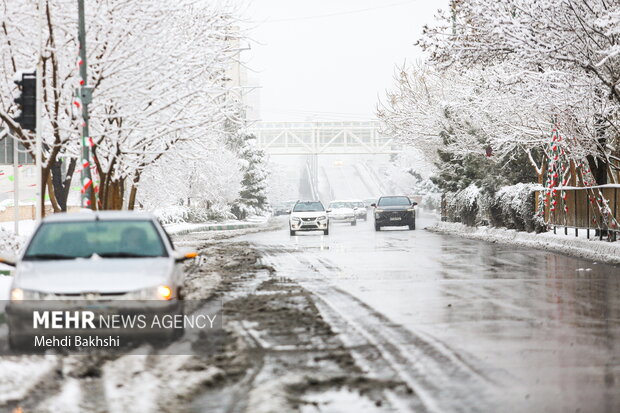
(569, 244)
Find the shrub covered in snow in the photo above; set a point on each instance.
(511, 206)
(514, 207)
(463, 205)
(195, 214)
(431, 201)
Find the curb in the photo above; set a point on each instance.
(587, 249)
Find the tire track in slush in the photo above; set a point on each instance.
(433, 370)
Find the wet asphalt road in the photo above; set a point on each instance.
(469, 325)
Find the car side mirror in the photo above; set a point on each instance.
(328, 210)
(288, 211)
(373, 205)
(183, 254)
(414, 203)
(8, 258)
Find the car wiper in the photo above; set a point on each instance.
(125, 255)
(50, 257)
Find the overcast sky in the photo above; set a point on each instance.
(331, 59)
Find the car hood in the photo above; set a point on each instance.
(395, 208)
(308, 214)
(97, 275)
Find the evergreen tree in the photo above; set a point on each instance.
(456, 172)
(252, 198)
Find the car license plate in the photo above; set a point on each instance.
(395, 219)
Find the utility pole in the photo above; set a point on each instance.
(39, 197)
(85, 95)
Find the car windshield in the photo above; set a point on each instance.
(308, 207)
(335, 205)
(394, 201)
(108, 239)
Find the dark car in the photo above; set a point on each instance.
(283, 208)
(394, 211)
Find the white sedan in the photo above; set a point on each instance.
(101, 256)
(342, 211)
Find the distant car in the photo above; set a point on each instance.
(368, 202)
(96, 256)
(394, 211)
(308, 216)
(342, 211)
(360, 209)
(283, 208)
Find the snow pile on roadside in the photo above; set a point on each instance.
(20, 375)
(139, 383)
(592, 249)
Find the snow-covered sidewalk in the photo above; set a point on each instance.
(592, 248)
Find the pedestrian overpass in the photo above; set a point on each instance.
(328, 138)
(322, 138)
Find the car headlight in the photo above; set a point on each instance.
(378, 210)
(162, 292)
(410, 210)
(321, 218)
(296, 219)
(18, 294)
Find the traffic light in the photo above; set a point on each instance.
(27, 101)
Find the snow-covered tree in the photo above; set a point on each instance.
(252, 198)
(200, 187)
(565, 51)
(158, 73)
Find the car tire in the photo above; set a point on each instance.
(326, 231)
(292, 233)
(412, 225)
(354, 223)
(377, 227)
(18, 343)
(12, 342)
